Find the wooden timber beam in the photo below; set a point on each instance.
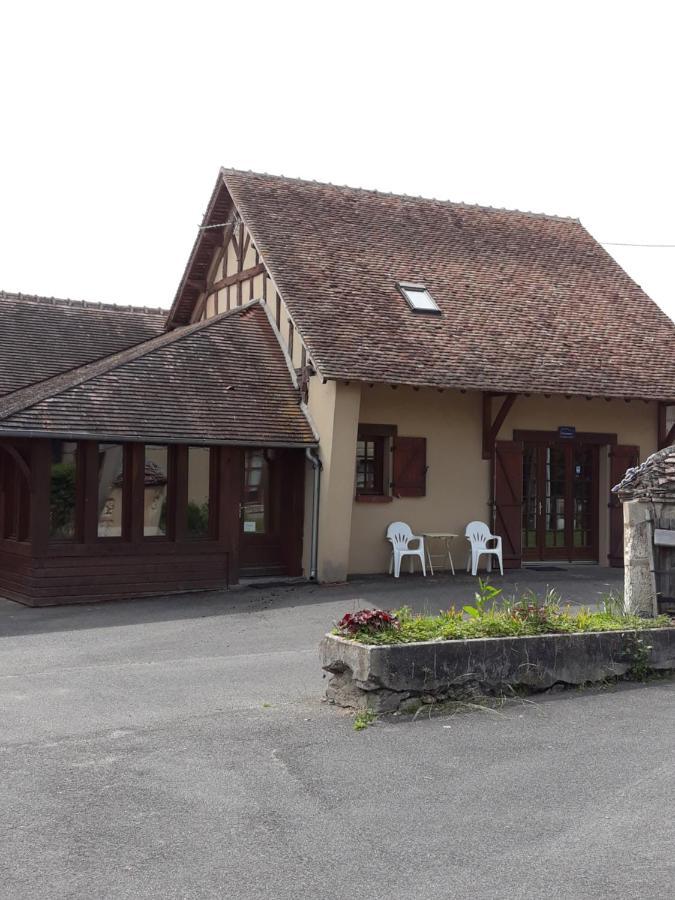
(491, 428)
(666, 436)
(235, 279)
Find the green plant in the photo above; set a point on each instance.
(638, 652)
(197, 519)
(613, 603)
(363, 719)
(486, 594)
(62, 500)
(526, 615)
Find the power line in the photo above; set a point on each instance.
(620, 244)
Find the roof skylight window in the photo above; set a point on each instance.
(418, 297)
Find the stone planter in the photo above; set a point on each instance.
(386, 678)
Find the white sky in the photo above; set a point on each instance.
(116, 117)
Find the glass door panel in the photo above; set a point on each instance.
(530, 498)
(255, 503)
(554, 496)
(583, 493)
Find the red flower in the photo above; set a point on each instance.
(368, 620)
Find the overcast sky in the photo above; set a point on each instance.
(116, 117)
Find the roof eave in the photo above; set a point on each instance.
(494, 389)
(254, 441)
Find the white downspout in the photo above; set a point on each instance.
(313, 457)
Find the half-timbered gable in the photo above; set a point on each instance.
(228, 270)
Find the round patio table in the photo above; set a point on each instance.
(446, 537)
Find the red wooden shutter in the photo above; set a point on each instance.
(621, 457)
(508, 499)
(410, 467)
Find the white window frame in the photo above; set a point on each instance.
(406, 287)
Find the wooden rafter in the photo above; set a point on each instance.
(491, 428)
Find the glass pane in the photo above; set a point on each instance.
(110, 489)
(530, 498)
(419, 298)
(156, 484)
(62, 494)
(554, 501)
(583, 494)
(256, 477)
(198, 492)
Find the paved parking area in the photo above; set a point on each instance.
(180, 748)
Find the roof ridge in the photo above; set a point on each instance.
(27, 397)
(81, 304)
(374, 191)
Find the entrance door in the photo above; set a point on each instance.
(560, 501)
(261, 551)
(272, 507)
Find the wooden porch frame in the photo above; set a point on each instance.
(491, 428)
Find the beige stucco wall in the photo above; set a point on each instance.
(334, 409)
(633, 423)
(458, 479)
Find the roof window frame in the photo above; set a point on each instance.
(404, 287)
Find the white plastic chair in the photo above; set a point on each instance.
(478, 535)
(400, 535)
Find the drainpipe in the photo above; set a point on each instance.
(313, 457)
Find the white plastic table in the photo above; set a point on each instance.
(447, 537)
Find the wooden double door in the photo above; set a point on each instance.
(560, 500)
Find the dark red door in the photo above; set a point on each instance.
(272, 508)
(508, 498)
(560, 501)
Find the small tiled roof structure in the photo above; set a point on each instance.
(154, 475)
(220, 381)
(529, 303)
(44, 336)
(654, 479)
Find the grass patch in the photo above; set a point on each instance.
(363, 719)
(517, 617)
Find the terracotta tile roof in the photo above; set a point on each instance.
(224, 380)
(654, 479)
(529, 303)
(42, 336)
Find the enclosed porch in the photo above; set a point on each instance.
(88, 520)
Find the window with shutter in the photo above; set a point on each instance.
(410, 467)
(373, 447)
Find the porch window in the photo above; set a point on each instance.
(418, 297)
(373, 449)
(63, 491)
(199, 480)
(14, 494)
(111, 490)
(155, 493)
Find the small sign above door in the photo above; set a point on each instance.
(567, 432)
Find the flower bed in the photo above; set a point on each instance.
(386, 661)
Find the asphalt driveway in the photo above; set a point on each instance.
(179, 748)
